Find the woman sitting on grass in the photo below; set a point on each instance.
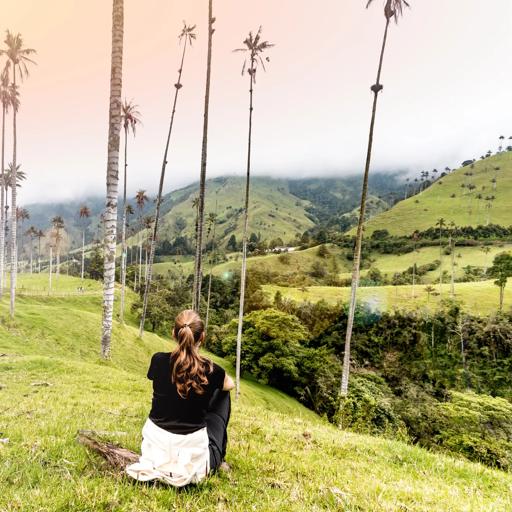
(185, 436)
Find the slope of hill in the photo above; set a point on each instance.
(459, 197)
(279, 207)
(275, 212)
(283, 456)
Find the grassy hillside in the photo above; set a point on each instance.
(464, 208)
(283, 457)
(480, 298)
(388, 264)
(296, 262)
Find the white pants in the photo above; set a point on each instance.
(175, 459)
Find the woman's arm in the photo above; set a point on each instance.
(228, 383)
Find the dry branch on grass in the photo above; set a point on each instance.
(117, 456)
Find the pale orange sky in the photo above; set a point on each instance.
(446, 93)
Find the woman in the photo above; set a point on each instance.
(185, 437)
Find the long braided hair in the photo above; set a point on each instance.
(189, 369)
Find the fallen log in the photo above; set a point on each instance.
(117, 456)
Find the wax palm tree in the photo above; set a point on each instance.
(31, 233)
(392, 9)
(58, 226)
(110, 214)
(22, 214)
(84, 213)
(39, 234)
(131, 118)
(196, 295)
(430, 290)
(187, 36)
(19, 59)
(148, 226)
(8, 100)
(212, 228)
(140, 200)
(414, 237)
(441, 223)
(254, 48)
(452, 232)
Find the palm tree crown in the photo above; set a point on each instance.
(130, 115)
(18, 55)
(84, 212)
(392, 8)
(187, 33)
(141, 198)
(255, 47)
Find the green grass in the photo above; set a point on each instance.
(299, 261)
(423, 210)
(284, 458)
(464, 256)
(479, 298)
(63, 284)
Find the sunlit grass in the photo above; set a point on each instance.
(480, 298)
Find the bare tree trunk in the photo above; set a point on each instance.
(359, 236)
(140, 261)
(57, 264)
(244, 238)
(212, 263)
(123, 228)
(441, 264)
(83, 255)
(2, 208)
(14, 255)
(159, 197)
(38, 254)
(452, 281)
(116, 80)
(31, 254)
(196, 299)
(502, 297)
(51, 270)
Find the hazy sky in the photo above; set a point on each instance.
(447, 83)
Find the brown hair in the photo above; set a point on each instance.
(189, 369)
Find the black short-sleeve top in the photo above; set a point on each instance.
(169, 410)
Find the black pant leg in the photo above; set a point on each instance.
(217, 419)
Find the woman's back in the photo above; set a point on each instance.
(172, 412)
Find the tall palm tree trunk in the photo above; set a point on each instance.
(14, 262)
(149, 274)
(452, 281)
(244, 238)
(116, 81)
(51, 270)
(196, 299)
(83, 256)
(2, 207)
(212, 263)
(39, 255)
(123, 228)
(140, 261)
(31, 254)
(359, 236)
